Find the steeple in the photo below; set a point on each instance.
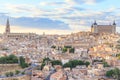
(114, 22)
(7, 27)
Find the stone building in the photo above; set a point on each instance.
(9, 35)
(95, 28)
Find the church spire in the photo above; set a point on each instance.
(7, 26)
(114, 23)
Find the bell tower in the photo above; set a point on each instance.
(7, 30)
(114, 27)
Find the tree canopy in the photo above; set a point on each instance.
(11, 59)
(113, 73)
(22, 62)
(74, 63)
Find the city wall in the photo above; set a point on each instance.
(25, 77)
(8, 67)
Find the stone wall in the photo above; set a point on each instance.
(25, 77)
(8, 67)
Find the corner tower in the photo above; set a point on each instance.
(94, 28)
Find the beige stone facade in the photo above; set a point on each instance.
(95, 28)
(10, 35)
(24, 77)
(20, 35)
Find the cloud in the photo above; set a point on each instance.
(18, 8)
(3, 13)
(36, 22)
(65, 17)
(68, 14)
(89, 2)
(60, 3)
(43, 23)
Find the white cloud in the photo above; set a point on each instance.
(90, 2)
(65, 11)
(56, 3)
(80, 2)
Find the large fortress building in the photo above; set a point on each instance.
(95, 28)
(9, 35)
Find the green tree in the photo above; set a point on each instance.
(22, 62)
(113, 73)
(23, 73)
(118, 56)
(64, 50)
(87, 63)
(17, 72)
(56, 62)
(110, 73)
(74, 63)
(53, 46)
(105, 64)
(7, 74)
(11, 73)
(42, 65)
(46, 59)
(116, 73)
(11, 59)
(5, 49)
(81, 62)
(72, 50)
(67, 65)
(67, 46)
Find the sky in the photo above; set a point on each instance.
(57, 16)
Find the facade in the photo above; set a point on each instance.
(10, 35)
(95, 28)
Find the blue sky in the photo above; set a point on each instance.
(65, 16)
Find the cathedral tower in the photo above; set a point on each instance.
(7, 30)
(114, 27)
